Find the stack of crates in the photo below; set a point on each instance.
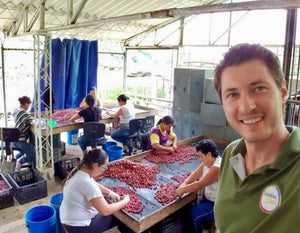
(197, 109)
(63, 167)
(58, 149)
(28, 185)
(189, 85)
(176, 222)
(213, 117)
(6, 193)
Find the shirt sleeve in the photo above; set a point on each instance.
(81, 112)
(154, 139)
(172, 135)
(92, 190)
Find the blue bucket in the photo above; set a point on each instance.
(41, 219)
(114, 152)
(107, 144)
(55, 202)
(72, 137)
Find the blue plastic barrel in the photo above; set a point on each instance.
(55, 202)
(107, 144)
(114, 152)
(72, 137)
(41, 219)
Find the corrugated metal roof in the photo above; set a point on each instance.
(18, 16)
(110, 19)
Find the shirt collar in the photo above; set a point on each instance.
(288, 151)
(163, 133)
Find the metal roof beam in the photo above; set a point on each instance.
(179, 12)
(70, 11)
(42, 14)
(78, 12)
(33, 20)
(16, 23)
(127, 40)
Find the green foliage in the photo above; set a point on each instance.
(109, 96)
(161, 93)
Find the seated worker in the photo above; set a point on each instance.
(90, 114)
(161, 137)
(92, 92)
(125, 113)
(204, 177)
(22, 121)
(84, 208)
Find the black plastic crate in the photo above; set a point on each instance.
(6, 193)
(28, 185)
(62, 168)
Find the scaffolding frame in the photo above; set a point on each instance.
(43, 120)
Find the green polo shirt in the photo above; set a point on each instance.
(265, 201)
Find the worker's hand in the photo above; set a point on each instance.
(114, 196)
(179, 192)
(126, 199)
(171, 150)
(174, 146)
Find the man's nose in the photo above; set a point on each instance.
(247, 103)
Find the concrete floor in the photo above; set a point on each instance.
(12, 218)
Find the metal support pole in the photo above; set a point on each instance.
(43, 126)
(290, 37)
(3, 84)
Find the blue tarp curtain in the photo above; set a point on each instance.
(74, 71)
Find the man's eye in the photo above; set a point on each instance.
(260, 88)
(231, 95)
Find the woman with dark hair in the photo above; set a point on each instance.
(22, 121)
(204, 177)
(125, 113)
(93, 92)
(84, 208)
(89, 114)
(161, 137)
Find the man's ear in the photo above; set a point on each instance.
(283, 92)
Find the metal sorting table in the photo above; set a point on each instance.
(153, 211)
(141, 111)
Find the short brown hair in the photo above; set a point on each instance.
(242, 53)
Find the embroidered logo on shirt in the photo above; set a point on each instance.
(270, 199)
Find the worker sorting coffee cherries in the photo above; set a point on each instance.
(84, 208)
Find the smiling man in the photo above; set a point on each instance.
(259, 174)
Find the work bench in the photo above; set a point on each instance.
(141, 111)
(153, 212)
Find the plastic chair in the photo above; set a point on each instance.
(94, 131)
(139, 128)
(135, 127)
(9, 135)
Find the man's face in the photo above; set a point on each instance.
(251, 100)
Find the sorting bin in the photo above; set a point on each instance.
(72, 137)
(41, 219)
(114, 152)
(55, 201)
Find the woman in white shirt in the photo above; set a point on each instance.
(84, 208)
(204, 177)
(125, 113)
